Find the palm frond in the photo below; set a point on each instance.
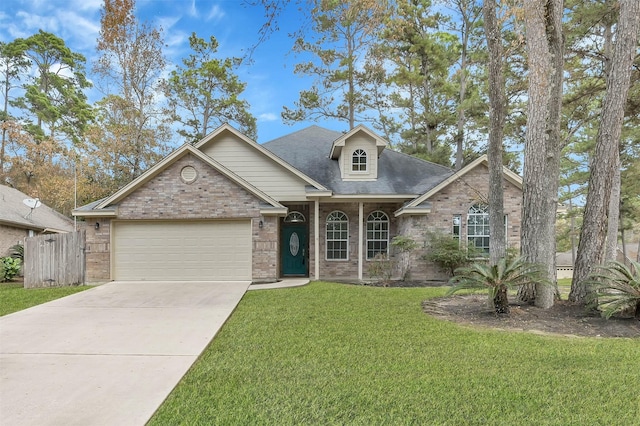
(615, 288)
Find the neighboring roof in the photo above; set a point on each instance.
(106, 205)
(399, 174)
(564, 259)
(631, 250)
(13, 212)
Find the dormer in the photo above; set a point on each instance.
(357, 154)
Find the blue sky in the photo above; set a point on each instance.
(271, 83)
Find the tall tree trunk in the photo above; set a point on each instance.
(462, 94)
(545, 49)
(497, 243)
(573, 233)
(593, 234)
(611, 251)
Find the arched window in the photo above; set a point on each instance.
(377, 234)
(295, 217)
(478, 226)
(359, 161)
(337, 236)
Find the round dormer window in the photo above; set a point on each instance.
(188, 174)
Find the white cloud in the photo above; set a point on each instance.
(84, 30)
(32, 22)
(193, 10)
(268, 116)
(86, 5)
(216, 13)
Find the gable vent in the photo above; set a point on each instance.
(188, 174)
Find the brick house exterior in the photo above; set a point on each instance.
(316, 203)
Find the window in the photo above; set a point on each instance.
(337, 236)
(377, 234)
(359, 161)
(478, 226)
(456, 226)
(295, 217)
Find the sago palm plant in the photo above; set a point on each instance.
(616, 289)
(508, 273)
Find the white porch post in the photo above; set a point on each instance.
(316, 238)
(360, 238)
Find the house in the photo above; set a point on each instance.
(565, 260)
(18, 220)
(314, 203)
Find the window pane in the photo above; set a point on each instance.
(377, 234)
(478, 227)
(337, 236)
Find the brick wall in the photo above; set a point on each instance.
(457, 198)
(97, 246)
(348, 269)
(9, 237)
(167, 196)
(265, 249)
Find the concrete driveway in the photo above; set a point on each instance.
(109, 355)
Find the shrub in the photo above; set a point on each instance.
(17, 252)
(448, 252)
(9, 268)
(404, 246)
(497, 278)
(380, 268)
(616, 289)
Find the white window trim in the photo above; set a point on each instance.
(474, 235)
(361, 154)
(367, 233)
(326, 238)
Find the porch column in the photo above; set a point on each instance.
(360, 238)
(316, 238)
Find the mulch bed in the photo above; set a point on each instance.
(564, 318)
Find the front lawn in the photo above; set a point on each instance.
(341, 354)
(14, 297)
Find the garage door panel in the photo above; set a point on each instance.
(202, 250)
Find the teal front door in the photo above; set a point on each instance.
(293, 249)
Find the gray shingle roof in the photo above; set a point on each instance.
(308, 150)
(14, 212)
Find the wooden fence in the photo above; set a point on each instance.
(54, 260)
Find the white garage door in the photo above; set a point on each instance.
(189, 251)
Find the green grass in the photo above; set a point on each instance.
(13, 297)
(340, 354)
(564, 282)
(564, 286)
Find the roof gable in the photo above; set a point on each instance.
(507, 174)
(169, 160)
(212, 137)
(338, 144)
